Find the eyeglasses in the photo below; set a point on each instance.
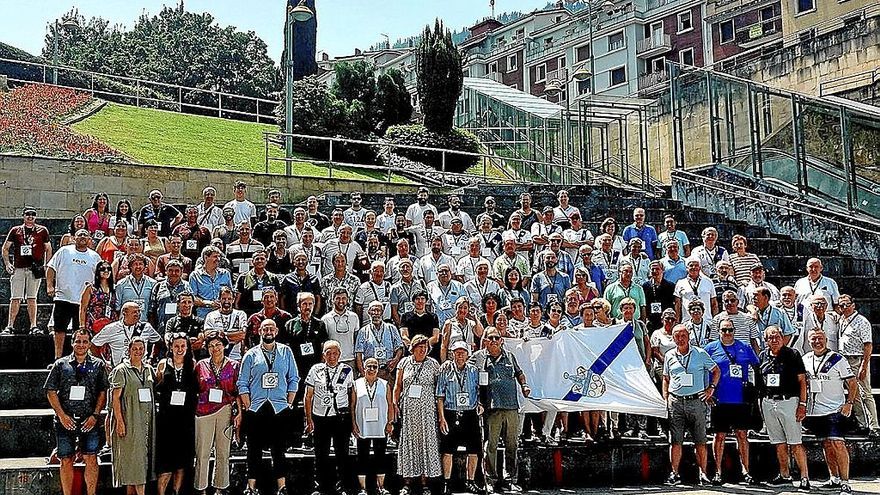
(105, 269)
(556, 310)
(845, 305)
(726, 330)
(494, 338)
(30, 214)
(371, 367)
(695, 310)
(730, 301)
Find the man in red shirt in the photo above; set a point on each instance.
(31, 250)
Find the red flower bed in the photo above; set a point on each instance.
(29, 123)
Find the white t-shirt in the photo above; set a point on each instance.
(209, 216)
(330, 385)
(825, 287)
(117, 335)
(827, 391)
(572, 235)
(456, 245)
(244, 210)
(342, 328)
(415, 213)
(687, 290)
(233, 322)
(72, 270)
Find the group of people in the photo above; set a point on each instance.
(270, 328)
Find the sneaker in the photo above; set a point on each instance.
(704, 481)
(874, 434)
(7, 331)
(673, 480)
(831, 484)
(629, 433)
(383, 491)
(403, 491)
(804, 485)
(514, 488)
(780, 480)
(845, 489)
(281, 491)
(551, 442)
(447, 487)
(716, 480)
(362, 492)
(749, 480)
(471, 487)
(250, 491)
(37, 331)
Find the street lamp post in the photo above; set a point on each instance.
(300, 13)
(68, 23)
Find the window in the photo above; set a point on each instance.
(548, 42)
(617, 76)
(805, 6)
(767, 16)
(616, 41)
(685, 22)
(558, 19)
(726, 31)
(658, 65)
(583, 87)
(654, 29)
(511, 63)
(493, 67)
(541, 73)
(582, 53)
(560, 63)
(520, 33)
(686, 56)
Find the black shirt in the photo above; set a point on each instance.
(164, 214)
(319, 221)
(421, 325)
(192, 326)
(263, 230)
(788, 364)
(283, 215)
(67, 373)
(664, 294)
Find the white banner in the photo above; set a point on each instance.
(596, 369)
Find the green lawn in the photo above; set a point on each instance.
(167, 138)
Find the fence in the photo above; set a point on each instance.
(339, 154)
(142, 92)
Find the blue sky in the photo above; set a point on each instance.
(343, 25)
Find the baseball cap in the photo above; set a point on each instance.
(459, 345)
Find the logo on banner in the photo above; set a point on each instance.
(588, 381)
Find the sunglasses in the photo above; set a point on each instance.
(695, 310)
(730, 301)
(104, 269)
(726, 330)
(371, 367)
(494, 338)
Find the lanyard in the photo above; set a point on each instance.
(694, 287)
(460, 378)
(269, 362)
(376, 294)
(698, 331)
(466, 331)
(378, 337)
(730, 357)
(178, 373)
(138, 291)
(216, 372)
(227, 324)
(371, 396)
(814, 287)
(684, 363)
(330, 388)
(141, 375)
(818, 367)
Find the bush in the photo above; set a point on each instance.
(418, 135)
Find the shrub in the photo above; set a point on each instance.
(418, 135)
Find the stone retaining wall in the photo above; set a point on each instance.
(62, 188)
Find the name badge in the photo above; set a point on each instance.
(269, 380)
(773, 380)
(415, 391)
(484, 378)
(215, 395)
(380, 353)
(99, 234)
(462, 399)
(486, 252)
(551, 298)
(686, 380)
(243, 267)
(326, 400)
(736, 371)
(257, 294)
(455, 250)
(27, 250)
(159, 226)
(306, 349)
(816, 385)
(408, 307)
(443, 304)
(178, 397)
(145, 395)
(77, 392)
(170, 308)
(192, 245)
(371, 414)
(656, 308)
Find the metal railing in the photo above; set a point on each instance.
(657, 41)
(648, 81)
(478, 174)
(147, 93)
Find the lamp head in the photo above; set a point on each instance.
(301, 13)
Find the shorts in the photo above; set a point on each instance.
(24, 284)
(65, 316)
(464, 434)
(731, 417)
(779, 416)
(89, 442)
(828, 427)
(687, 415)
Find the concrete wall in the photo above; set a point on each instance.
(62, 188)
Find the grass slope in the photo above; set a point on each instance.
(168, 138)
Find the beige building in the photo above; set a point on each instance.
(804, 19)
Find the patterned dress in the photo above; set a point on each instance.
(100, 306)
(418, 453)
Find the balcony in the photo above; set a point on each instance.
(759, 33)
(495, 76)
(656, 44)
(652, 84)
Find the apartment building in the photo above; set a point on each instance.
(742, 29)
(804, 19)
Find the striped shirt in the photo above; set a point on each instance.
(744, 327)
(452, 381)
(742, 266)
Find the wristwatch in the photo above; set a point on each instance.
(802, 403)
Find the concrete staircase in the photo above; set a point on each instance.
(26, 420)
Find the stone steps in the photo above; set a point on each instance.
(23, 389)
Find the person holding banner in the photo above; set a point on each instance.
(500, 376)
(685, 388)
(458, 408)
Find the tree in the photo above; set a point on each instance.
(440, 77)
(393, 101)
(355, 84)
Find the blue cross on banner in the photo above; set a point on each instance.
(589, 381)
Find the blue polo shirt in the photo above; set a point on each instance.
(646, 234)
(549, 287)
(255, 363)
(386, 339)
(207, 288)
(673, 271)
(451, 381)
(730, 390)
